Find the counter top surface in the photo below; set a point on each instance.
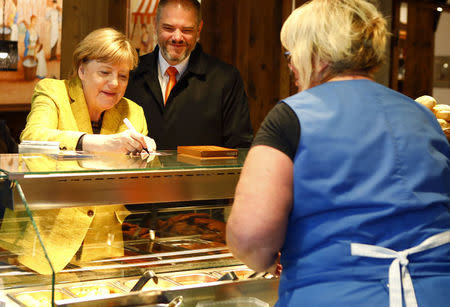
(13, 165)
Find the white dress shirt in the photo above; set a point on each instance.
(163, 77)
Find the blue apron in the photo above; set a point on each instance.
(372, 169)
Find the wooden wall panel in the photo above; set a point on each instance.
(117, 14)
(263, 48)
(419, 58)
(395, 48)
(300, 2)
(219, 28)
(241, 43)
(246, 34)
(80, 17)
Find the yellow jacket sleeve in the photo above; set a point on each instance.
(59, 113)
(51, 117)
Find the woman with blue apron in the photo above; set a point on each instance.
(348, 180)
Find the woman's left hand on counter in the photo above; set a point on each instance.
(127, 142)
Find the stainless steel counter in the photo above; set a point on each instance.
(264, 290)
(172, 186)
(53, 181)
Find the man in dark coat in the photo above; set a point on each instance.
(207, 105)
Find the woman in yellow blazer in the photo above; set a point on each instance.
(83, 113)
(87, 111)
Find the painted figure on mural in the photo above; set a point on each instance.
(31, 37)
(53, 15)
(8, 15)
(41, 70)
(145, 39)
(14, 27)
(34, 48)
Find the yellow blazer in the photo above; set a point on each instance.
(59, 113)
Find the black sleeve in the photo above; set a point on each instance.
(7, 142)
(280, 129)
(237, 129)
(79, 146)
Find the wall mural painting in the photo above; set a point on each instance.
(141, 24)
(34, 27)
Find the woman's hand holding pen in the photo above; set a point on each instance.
(128, 141)
(149, 144)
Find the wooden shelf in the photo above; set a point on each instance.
(15, 107)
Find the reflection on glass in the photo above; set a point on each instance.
(169, 160)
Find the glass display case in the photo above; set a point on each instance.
(83, 229)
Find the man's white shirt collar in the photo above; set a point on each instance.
(163, 65)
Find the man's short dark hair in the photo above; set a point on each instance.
(188, 3)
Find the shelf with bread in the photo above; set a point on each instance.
(441, 111)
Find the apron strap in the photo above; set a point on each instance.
(400, 281)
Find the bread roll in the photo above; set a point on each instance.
(427, 101)
(443, 114)
(447, 133)
(441, 107)
(444, 124)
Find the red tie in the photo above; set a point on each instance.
(172, 72)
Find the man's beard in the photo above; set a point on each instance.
(177, 59)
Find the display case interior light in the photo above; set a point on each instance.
(9, 55)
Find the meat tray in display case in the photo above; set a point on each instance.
(111, 229)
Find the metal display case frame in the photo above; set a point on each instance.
(45, 190)
(124, 187)
(61, 189)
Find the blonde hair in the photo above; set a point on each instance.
(349, 35)
(104, 45)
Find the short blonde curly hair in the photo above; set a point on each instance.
(349, 35)
(104, 45)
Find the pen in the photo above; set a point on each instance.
(127, 123)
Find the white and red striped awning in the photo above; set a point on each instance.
(145, 10)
